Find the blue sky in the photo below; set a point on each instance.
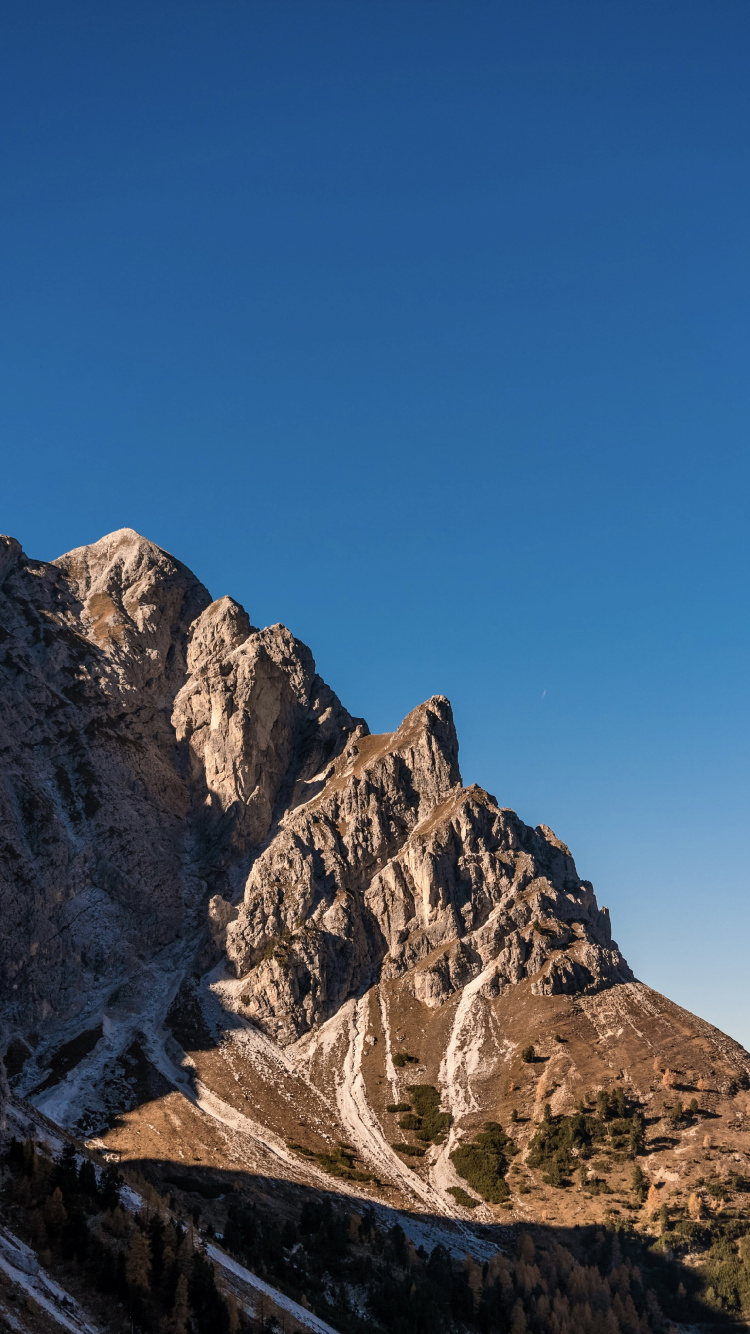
(423, 328)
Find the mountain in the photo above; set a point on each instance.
(245, 940)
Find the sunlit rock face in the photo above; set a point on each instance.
(148, 735)
(396, 867)
(238, 933)
(177, 782)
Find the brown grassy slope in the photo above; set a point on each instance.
(628, 1036)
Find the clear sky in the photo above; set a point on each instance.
(423, 328)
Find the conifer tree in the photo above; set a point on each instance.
(65, 1174)
(639, 1183)
(179, 1319)
(110, 1185)
(138, 1261)
(55, 1214)
(518, 1323)
(87, 1178)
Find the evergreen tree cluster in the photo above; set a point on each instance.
(726, 1275)
(562, 1139)
(423, 1118)
(164, 1282)
(483, 1162)
(364, 1278)
(338, 1162)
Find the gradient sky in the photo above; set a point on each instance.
(423, 328)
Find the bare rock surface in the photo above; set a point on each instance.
(394, 864)
(147, 734)
(173, 772)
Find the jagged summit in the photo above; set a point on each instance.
(217, 887)
(442, 881)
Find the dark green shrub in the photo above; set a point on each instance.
(339, 1163)
(398, 1107)
(598, 1186)
(410, 1122)
(550, 1149)
(463, 1198)
(411, 1150)
(484, 1162)
(403, 1058)
(639, 1183)
(434, 1123)
(528, 1054)
(555, 1174)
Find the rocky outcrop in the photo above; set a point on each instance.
(302, 932)
(135, 604)
(123, 803)
(92, 812)
(171, 773)
(259, 725)
(473, 887)
(393, 867)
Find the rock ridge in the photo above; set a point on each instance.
(173, 773)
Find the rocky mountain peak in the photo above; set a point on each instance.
(181, 755)
(246, 941)
(220, 628)
(137, 604)
(11, 554)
